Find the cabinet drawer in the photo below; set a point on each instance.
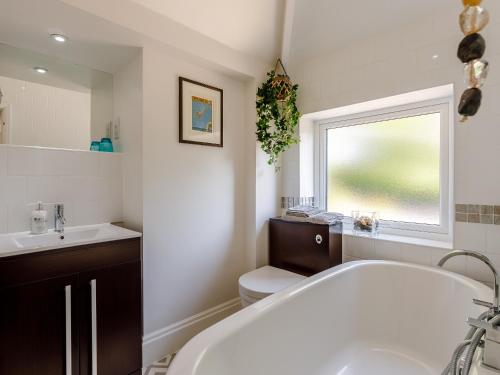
(27, 268)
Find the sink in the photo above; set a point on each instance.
(54, 239)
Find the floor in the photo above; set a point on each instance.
(160, 367)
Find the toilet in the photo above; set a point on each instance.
(263, 282)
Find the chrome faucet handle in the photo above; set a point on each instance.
(482, 303)
(492, 332)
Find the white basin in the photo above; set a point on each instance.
(54, 239)
(24, 242)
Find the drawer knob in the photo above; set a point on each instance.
(319, 239)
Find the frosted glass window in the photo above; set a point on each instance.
(392, 167)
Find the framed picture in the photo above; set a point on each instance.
(200, 113)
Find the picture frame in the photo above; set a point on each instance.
(200, 113)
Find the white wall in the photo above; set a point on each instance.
(127, 97)
(195, 200)
(88, 183)
(46, 116)
(399, 62)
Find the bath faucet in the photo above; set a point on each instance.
(494, 307)
(59, 219)
(488, 327)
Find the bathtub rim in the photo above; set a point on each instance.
(188, 358)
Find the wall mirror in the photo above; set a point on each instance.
(49, 102)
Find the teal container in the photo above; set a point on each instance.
(106, 145)
(95, 146)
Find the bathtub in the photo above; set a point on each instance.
(367, 317)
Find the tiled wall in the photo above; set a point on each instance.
(484, 238)
(477, 213)
(39, 114)
(402, 61)
(88, 183)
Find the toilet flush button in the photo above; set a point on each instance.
(319, 239)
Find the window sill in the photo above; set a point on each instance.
(401, 239)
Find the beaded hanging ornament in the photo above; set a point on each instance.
(473, 19)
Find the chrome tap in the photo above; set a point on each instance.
(490, 327)
(494, 307)
(59, 219)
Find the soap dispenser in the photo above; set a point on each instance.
(39, 220)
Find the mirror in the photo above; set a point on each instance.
(48, 102)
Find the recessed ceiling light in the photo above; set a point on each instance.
(59, 38)
(40, 70)
(435, 57)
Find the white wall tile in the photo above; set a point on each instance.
(58, 162)
(479, 271)
(13, 189)
(359, 247)
(109, 165)
(493, 239)
(42, 188)
(3, 218)
(62, 176)
(470, 236)
(457, 264)
(416, 254)
(387, 250)
(24, 161)
(3, 161)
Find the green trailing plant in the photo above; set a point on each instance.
(277, 115)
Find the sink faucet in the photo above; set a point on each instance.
(59, 219)
(490, 327)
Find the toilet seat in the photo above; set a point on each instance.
(263, 282)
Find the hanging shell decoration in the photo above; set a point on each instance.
(473, 19)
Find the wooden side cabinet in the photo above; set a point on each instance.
(74, 311)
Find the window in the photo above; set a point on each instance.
(393, 161)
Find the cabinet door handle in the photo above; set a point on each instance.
(319, 239)
(93, 306)
(67, 292)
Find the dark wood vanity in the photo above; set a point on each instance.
(304, 248)
(72, 311)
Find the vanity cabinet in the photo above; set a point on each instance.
(73, 311)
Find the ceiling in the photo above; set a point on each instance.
(27, 24)
(19, 63)
(253, 27)
(322, 26)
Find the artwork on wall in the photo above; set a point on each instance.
(200, 113)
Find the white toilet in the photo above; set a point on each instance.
(263, 282)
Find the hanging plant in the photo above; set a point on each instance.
(277, 114)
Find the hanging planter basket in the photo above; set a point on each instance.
(277, 113)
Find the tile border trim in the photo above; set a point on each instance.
(477, 213)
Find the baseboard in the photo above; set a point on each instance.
(170, 339)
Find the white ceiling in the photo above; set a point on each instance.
(253, 27)
(322, 26)
(19, 63)
(27, 24)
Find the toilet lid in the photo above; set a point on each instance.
(267, 280)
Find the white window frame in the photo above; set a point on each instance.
(444, 105)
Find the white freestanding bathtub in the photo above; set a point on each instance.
(367, 317)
